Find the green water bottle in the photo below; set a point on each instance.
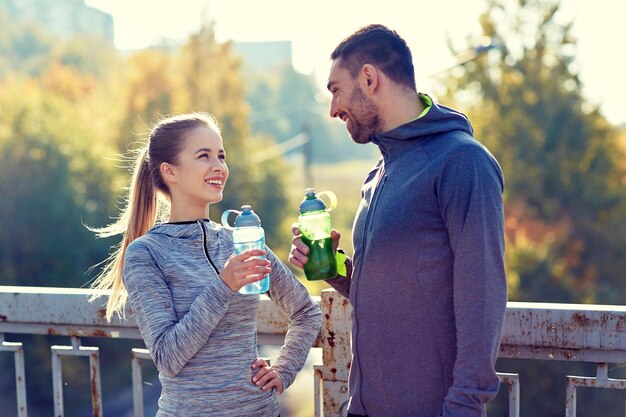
(315, 226)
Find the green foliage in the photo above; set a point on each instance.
(564, 185)
(24, 47)
(212, 82)
(284, 103)
(61, 128)
(564, 170)
(204, 75)
(87, 55)
(53, 183)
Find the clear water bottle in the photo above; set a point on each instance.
(248, 234)
(315, 226)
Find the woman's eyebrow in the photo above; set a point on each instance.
(209, 150)
(204, 150)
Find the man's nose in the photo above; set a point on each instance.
(334, 112)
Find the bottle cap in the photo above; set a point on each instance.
(247, 218)
(313, 203)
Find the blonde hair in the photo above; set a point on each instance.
(143, 205)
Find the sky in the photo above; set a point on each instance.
(316, 27)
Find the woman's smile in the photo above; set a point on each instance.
(215, 181)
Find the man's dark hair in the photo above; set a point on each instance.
(381, 47)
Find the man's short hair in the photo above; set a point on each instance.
(381, 47)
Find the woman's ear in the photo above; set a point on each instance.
(168, 173)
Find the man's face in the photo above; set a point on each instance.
(351, 104)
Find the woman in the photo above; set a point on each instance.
(182, 279)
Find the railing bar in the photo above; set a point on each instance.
(75, 342)
(602, 373)
(20, 382)
(20, 374)
(514, 400)
(94, 373)
(317, 379)
(137, 355)
(96, 388)
(570, 398)
(512, 380)
(82, 330)
(575, 333)
(70, 351)
(57, 384)
(609, 383)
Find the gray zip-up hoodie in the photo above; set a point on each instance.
(202, 335)
(428, 289)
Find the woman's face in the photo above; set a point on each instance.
(201, 171)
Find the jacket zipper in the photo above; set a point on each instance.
(382, 179)
(206, 251)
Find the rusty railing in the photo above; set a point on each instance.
(569, 332)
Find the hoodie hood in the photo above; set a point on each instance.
(188, 230)
(439, 119)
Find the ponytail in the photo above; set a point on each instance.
(136, 219)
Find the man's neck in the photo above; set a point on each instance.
(400, 108)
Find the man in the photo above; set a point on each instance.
(427, 283)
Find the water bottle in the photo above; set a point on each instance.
(248, 234)
(315, 226)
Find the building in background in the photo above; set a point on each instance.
(62, 18)
(264, 56)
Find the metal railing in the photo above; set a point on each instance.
(569, 332)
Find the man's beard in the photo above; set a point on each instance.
(368, 122)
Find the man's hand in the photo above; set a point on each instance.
(299, 251)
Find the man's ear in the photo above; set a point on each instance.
(168, 172)
(369, 77)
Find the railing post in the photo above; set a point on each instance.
(601, 380)
(512, 380)
(20, 373)
(137, 356)
(94, 375)
(336, 354)
(57, 383)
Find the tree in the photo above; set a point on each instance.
(62, 127)
(285, 103)
(212, 82)
(53, 182)
(564, 198)
(25, 47)
(564, 185)
(151, 90)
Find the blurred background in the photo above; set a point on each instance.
(82, 82)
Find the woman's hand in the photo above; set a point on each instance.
(266, 377)
(245, 268)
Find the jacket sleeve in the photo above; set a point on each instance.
(171, 342)
(341, 283)
(305, 319)
(470, 193)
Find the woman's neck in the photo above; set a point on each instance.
(188, 213)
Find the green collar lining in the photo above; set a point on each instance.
(427, 102)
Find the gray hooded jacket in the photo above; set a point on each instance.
(428, 289)
(202, 335)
